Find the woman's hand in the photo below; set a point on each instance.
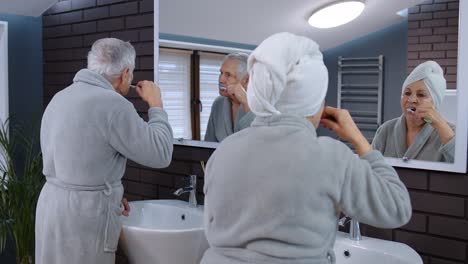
(126, 207)
(342, 124)
(427, 111)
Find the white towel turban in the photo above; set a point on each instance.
(433, 76)
(287, 75)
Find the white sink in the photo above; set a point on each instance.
(171, 232)
(163, 232)
(370, 250)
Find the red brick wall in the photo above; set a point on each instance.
(433, 35)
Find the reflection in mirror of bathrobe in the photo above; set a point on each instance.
(390, 139)
(220, 121)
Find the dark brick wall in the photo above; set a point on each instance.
(143, 183)
(438, 229)
(433, 35)
(71, 26)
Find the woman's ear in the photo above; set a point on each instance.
(245, 81)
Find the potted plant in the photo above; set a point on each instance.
(21, 181)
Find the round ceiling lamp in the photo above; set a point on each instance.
(336, 14)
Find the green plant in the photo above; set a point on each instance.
(21, 181)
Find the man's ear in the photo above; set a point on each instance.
(125, 74)
(122, 76)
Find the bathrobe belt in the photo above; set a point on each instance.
(106, 188)
(112, 222)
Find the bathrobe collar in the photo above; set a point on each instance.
(92, 78)
(399, 139)
(284, 120)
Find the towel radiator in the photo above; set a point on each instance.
(360, 91)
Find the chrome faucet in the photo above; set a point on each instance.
(354, 229)
(192, 188)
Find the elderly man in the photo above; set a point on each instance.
(88, 131)
(230, 111)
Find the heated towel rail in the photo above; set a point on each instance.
(360, 91)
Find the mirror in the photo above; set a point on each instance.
(429, 34)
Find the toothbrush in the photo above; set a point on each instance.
(413, 110)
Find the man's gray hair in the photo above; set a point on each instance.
(110, 56)
(241, 59)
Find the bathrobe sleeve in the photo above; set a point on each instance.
(379, 140)
(148, 143)
(448, 151)
(372, 192)
(244, 121)
(220, 122)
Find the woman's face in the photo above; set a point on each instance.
(415, 95)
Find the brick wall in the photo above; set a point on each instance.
(71, 27)
(433, 35)
(438, 229)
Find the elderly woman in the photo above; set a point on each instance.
(421, 132)
(273, 191)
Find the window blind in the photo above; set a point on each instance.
(174, 80)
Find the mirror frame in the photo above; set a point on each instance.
(4, 105)
(4, 112)
(461, 133)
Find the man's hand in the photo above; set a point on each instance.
(238, 94)
(126, 207)
(150, 93)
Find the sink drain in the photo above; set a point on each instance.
(347, 254)
(182, 217)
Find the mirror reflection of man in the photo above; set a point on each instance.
(230, 111)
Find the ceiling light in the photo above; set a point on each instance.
(336, 14)
(403, 13)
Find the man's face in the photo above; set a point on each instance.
(227, 75)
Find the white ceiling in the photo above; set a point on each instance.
(251, 21)
(33, 8)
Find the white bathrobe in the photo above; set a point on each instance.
(88, 131)
(220, 121)
(390, 139)
(271, 193)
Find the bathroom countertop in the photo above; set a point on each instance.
(195, 143)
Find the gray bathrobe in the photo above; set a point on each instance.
(88, 131)
(390, 139)
(272, 192)
(220, 121)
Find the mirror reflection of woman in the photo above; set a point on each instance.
(421, 132)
